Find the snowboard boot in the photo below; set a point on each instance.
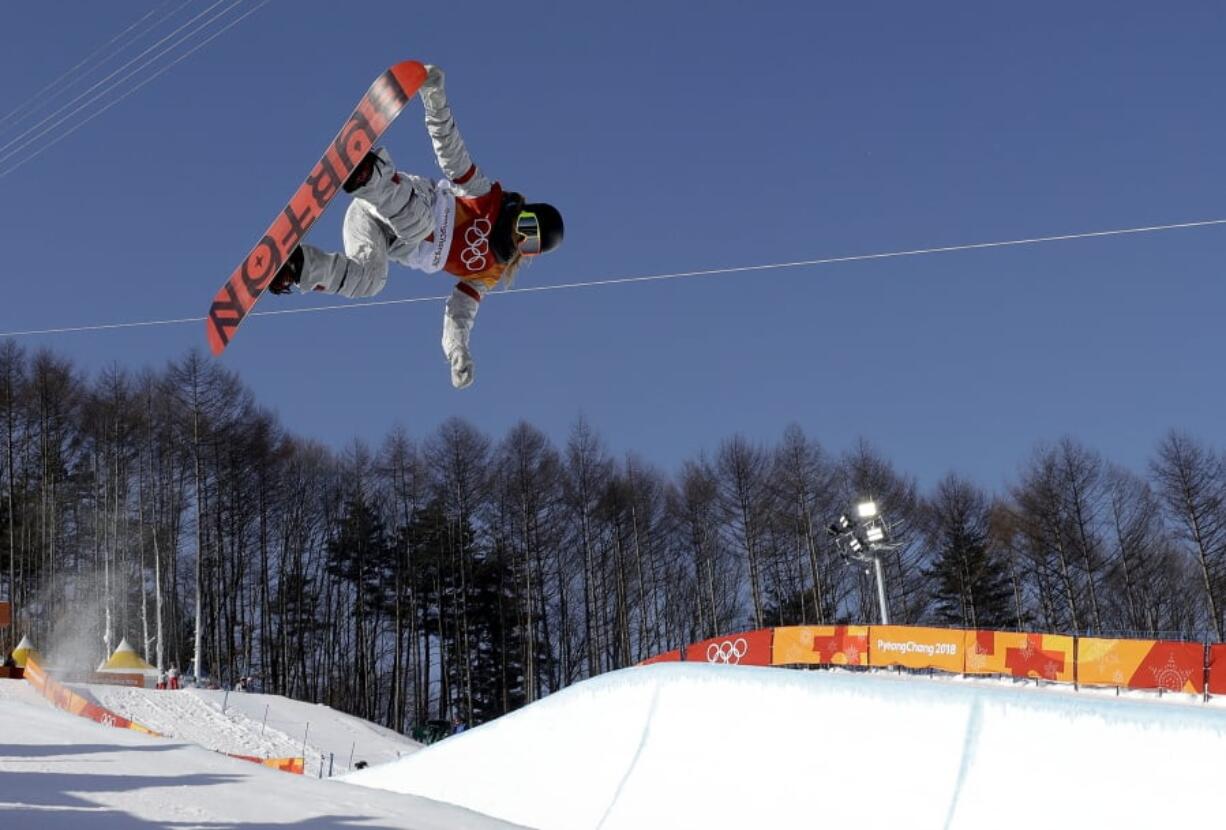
(289, 273)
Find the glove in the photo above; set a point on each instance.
(432, 93)
(434, 78)
(461, 367)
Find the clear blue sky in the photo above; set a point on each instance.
(679, 136)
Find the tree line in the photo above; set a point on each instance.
(458, 574)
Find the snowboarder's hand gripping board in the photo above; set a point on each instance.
(385, 99)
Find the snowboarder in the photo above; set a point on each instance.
(465, 224)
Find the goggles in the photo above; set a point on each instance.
(528, 233)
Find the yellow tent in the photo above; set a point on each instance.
(125, 660)
(24, 650)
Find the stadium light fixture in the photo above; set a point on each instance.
(864, 541)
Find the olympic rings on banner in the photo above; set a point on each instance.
(728, 652)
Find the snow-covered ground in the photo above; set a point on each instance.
(331, 737)
(665, 746)
(698, 746)
(61, 771)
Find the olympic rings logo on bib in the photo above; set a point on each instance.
(729, 651)
(477, 245)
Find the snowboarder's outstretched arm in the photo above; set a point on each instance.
(449, 146)
(458, 318)
(468, 181)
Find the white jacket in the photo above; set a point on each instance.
(408, 219)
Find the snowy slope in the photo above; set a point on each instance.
(17, 690)
(197, 716)
(61, 771)
(698, 746)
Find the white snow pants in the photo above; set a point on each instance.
(393, 209)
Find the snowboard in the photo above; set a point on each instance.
(385, 100)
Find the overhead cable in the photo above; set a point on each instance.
(45, 95)
(25, 140)
(913, 252)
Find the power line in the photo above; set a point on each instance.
(48, 145)
(944, 249)
(41, 98)
(59, 116)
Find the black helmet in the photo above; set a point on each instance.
(518, 219)
(549, 222)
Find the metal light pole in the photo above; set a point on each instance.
(885, 611)
(864, 541)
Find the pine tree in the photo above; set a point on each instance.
(430, 583)
(495, 621)
(360, 554)
(970, 587)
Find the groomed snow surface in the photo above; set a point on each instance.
(665, 746)
(698, 746)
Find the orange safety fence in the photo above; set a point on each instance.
(914, 647)
(820, 645)
(1141, 664)
(747, 648)
(1018, 654)
(64, 698)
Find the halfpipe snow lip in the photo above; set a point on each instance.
(689, 745)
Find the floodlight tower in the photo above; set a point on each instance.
(864, 541)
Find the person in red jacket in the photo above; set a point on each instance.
(465, 224)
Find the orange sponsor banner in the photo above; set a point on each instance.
(916, 648)
(820, 645)
(748, 648)
(64, 698)
(295, 766)
(1017, 654)
(666, 657)
(111, 679)
(1141, 664)
(36, 677)
(1217, 669)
